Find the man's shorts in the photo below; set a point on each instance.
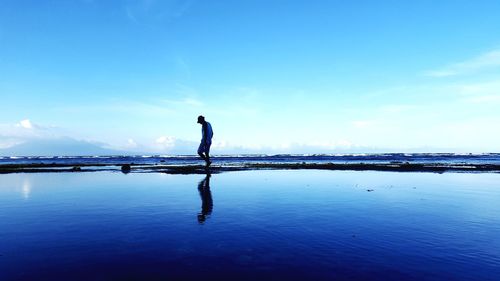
(204, 147)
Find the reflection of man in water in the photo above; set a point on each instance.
(206, 140)
(206, 199)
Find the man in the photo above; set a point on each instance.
(207, 204)
(206, 140)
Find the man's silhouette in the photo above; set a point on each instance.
(206, 140)
(207, 203)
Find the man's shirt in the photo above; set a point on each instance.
(206, 133)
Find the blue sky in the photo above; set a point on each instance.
(271, 76)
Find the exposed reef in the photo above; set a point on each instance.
(199, 169)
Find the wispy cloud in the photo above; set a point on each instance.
(362, 123)
(397, 108)
(8, 142)
(148, 11)
(129, 107)
(482, 62)
(183, 66)
(485, 92)
(482, 88)
(484, 99)
(188, 101)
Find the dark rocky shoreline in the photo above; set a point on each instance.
(199, 169)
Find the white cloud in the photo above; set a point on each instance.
(25, 124)
(131, 143)
(482, 62)
(165, 142)
(30, 125)
(220, 144)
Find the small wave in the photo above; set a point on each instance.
(183, 156)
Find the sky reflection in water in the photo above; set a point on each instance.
(248, 225)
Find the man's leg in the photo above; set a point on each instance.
(200, 152)
(207, 159)
(202, 156)
(207, 153)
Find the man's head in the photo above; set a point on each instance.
(201, 119)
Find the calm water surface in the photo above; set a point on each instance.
(265, 225)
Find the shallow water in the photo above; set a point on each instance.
(266, 225)
(444, 158)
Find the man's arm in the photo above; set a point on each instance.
(204, 133)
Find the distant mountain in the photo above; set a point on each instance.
(58, 147)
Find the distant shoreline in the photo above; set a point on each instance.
(198, 169)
